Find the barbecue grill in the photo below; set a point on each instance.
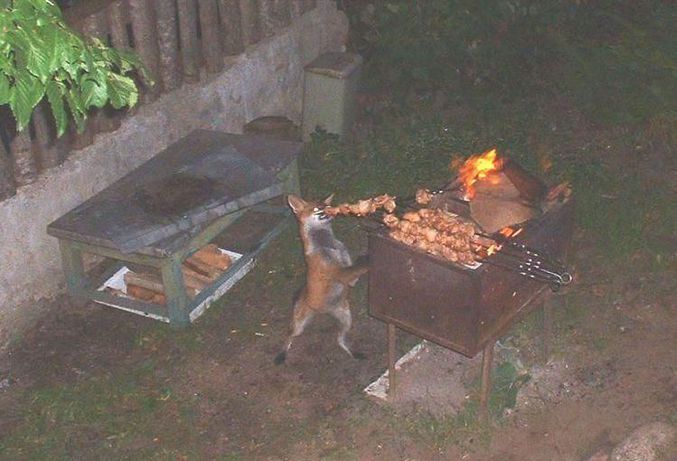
(462, 308)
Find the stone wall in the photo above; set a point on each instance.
(265, 80)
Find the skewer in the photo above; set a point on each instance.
(532, 254)
(528, 265)
(555, 283)
(534, 264)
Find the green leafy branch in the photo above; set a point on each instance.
(41, 56)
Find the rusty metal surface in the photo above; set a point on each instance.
(423, 294)
(202, 177)
(459, 308)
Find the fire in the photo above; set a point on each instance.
(493, 248)
(508, 232)
(478, 167)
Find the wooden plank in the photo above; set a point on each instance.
(132, 305)
(145, 41)
(250, 22)
(274, 15)
(117, 23)
(81, 140)
(100, 121)
(168, 43)
(309, 5)
(137, 258)
(50, 153)
(190, 53)
(143, 208)
(211, 37)
(290, 178)
(175, 291)
(245, 259)
(74, 271)
(25, 165)
(231, 18)
(7, 185)
(296, 8)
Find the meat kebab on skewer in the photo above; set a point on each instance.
(363, 207)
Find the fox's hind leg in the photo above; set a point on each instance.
(342, 314)
(302, 315)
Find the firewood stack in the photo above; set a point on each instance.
(199, 270)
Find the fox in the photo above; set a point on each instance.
(330, 273)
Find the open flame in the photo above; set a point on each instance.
(507, 232)
(478, 167)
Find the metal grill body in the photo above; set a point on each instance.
(457, 307)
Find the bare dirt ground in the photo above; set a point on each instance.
(96, 383)
(224, 398)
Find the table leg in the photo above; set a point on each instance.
(392, 357)
(74, 271)
(291, 180)
(485, 385)
(175, 293)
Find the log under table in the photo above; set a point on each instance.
(165, 210)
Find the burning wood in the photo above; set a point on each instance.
(500, 193)
(479, 167)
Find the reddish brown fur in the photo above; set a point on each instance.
(330, 273)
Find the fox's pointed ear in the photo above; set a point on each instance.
(296, 203)
(328, 200)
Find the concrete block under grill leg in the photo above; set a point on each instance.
(331, 82)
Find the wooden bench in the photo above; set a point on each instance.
(165, 210)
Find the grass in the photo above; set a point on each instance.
(108, 412)
(465, 429)
(439, 433)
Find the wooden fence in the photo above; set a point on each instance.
(176, 39)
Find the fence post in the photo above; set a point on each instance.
(25, 166)
(145, 41)
(229, 11)
(190, 56)
(96, 26)
(249, 10)
(168, 42)
(7, 186)
(211, 38)
(117, 23)
(296, 8)
(45, 133)
(274, 16)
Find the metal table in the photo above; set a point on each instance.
(172, 205)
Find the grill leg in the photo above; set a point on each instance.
(485, 385)
(392, 339)
(547, 329)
